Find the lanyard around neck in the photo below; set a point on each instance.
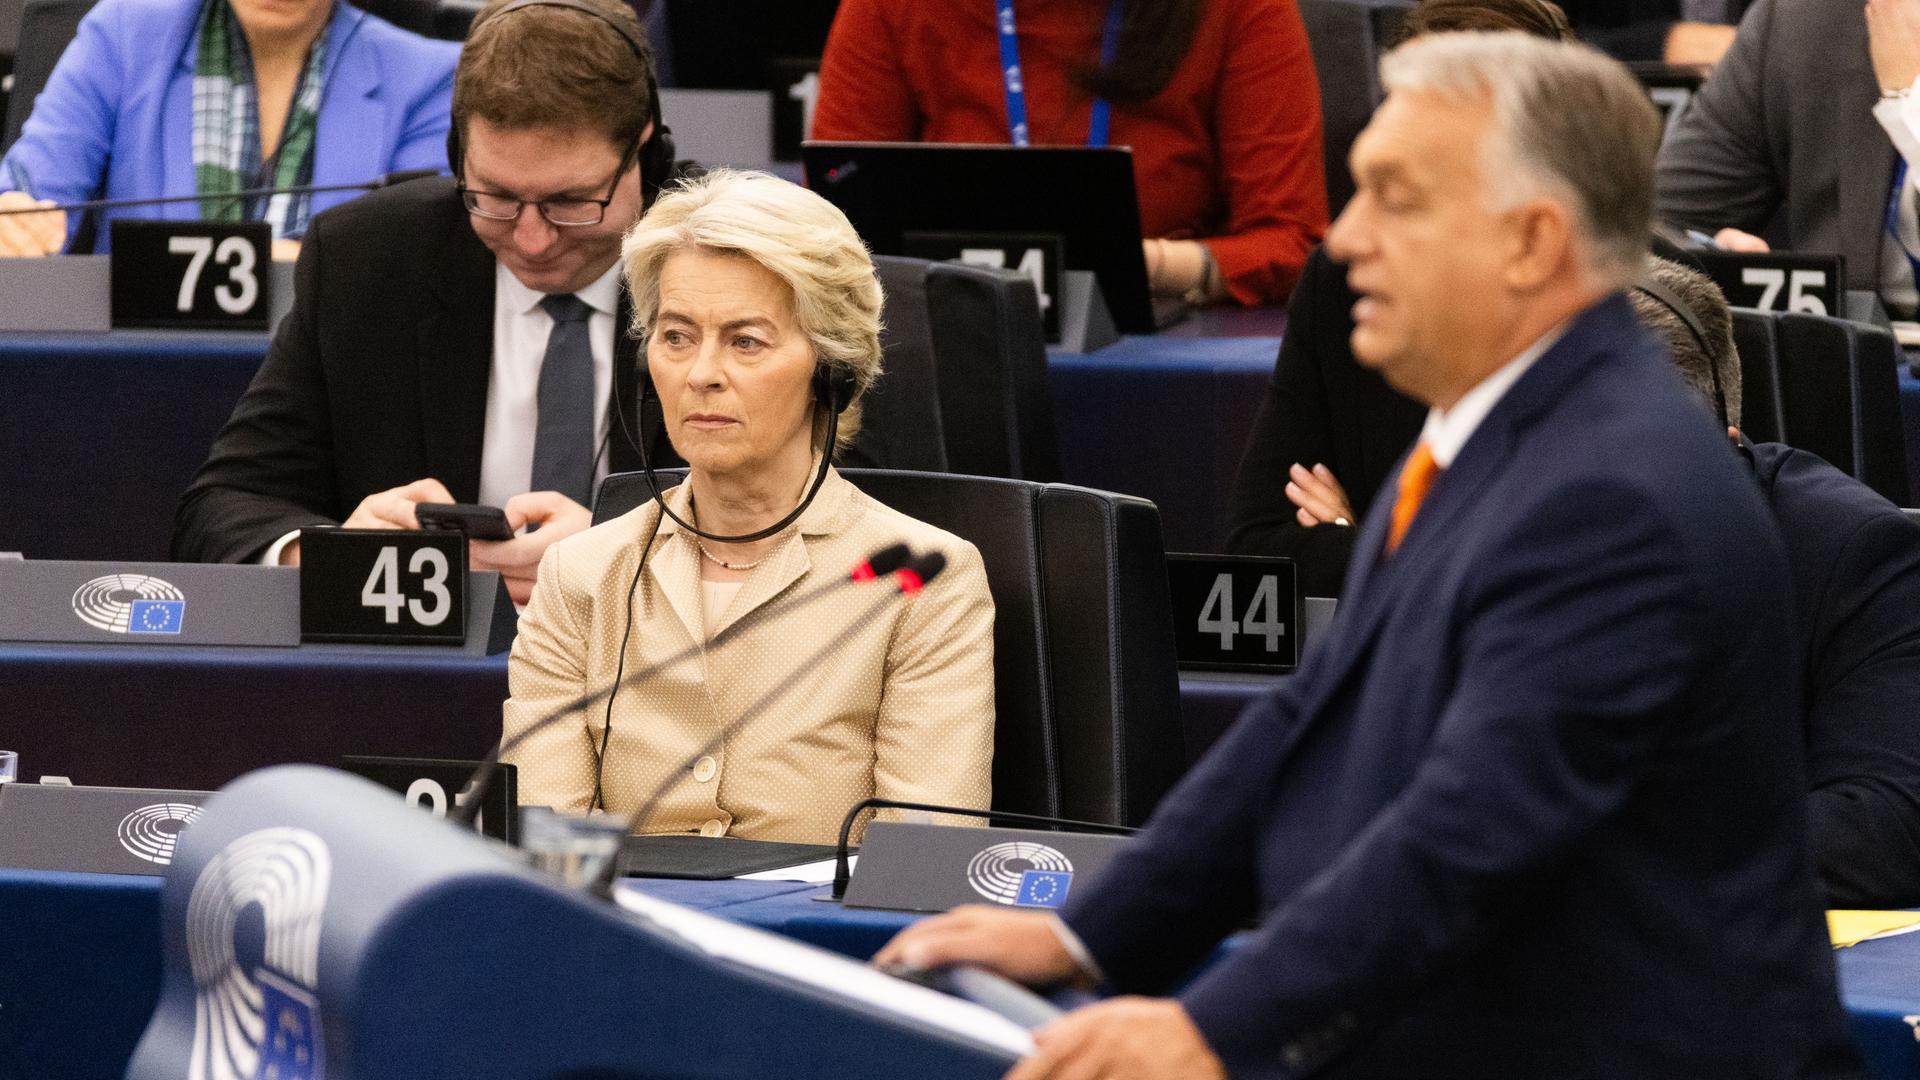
(1016, 81)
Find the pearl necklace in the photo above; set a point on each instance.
(711, 557)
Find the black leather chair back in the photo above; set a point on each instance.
(900, 425)
(1760, 415)
(1086, 690)
(990, 348)
(1840, 397)
(1110, 622)
(1348, 38)
(46, 27)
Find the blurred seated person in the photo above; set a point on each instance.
(750, 292)
(1218, 101)
(455, 339)
(1333, 427)
(182, 97)
(1825, 172)
(1855, 563)
(1653, 30)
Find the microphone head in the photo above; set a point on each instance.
(918, 572)
(883, 562)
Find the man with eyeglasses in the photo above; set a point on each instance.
(462, 340)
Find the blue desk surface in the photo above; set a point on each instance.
(82, 966)
(100, 433)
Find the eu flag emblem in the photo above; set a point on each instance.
(156, 616)
(1043, 888)
(290, 1045)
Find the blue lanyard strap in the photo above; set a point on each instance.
(1016, 82)
(1893, 216)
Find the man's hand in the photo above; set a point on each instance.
(30, 235)
(1692, 44)
(393, 508)
(1893, 39)
(1020, 945)
(1319, 497)
(1735, 240)
(1129, 1038)
(518, 560)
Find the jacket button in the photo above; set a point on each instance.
(705, 769)
(713, 827)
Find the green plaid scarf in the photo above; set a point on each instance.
(226, 128)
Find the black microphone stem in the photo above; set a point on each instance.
(250, 193)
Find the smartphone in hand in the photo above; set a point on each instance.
(478, 522)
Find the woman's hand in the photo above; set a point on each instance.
(1318, 497)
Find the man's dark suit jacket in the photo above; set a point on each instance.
(376, 378)
(1856, 579)
(1534, 806)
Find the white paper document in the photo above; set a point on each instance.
(813, 873)
(831, 972)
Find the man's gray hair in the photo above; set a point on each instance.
(1568, 123)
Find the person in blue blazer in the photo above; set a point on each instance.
(1534, 805)
(315, 92)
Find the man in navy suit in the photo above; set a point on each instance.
(1534, 805)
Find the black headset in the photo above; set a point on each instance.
(656, 154)
(1673, 302)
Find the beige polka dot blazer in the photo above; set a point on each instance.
(903, 710)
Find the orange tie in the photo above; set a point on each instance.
(1415, 480)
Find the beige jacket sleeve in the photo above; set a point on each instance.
(933, 736)
(546, 673)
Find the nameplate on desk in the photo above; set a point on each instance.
(1235, 612)
(93, 830)
(1780, 280)
(383, 586)
(193, 275)
(1040, 256)
(911, 867)
(149, 603)
(439, 786)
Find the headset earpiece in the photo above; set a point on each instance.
(833, 386)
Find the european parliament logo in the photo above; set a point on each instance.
(130, 604)
(156, 616)
(1021, 873)
(1043, 888)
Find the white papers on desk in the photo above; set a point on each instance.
(813, 873)
(830, 972)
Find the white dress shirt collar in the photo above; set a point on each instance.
(1446, 432)
(602, 294)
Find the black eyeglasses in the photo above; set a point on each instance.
(565, 213)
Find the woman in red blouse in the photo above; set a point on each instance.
(1217, 98)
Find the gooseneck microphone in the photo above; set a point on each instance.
(843, 872)
(878, 565)
(912, 578)
(387, 180)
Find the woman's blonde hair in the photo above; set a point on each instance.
(801, 238)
